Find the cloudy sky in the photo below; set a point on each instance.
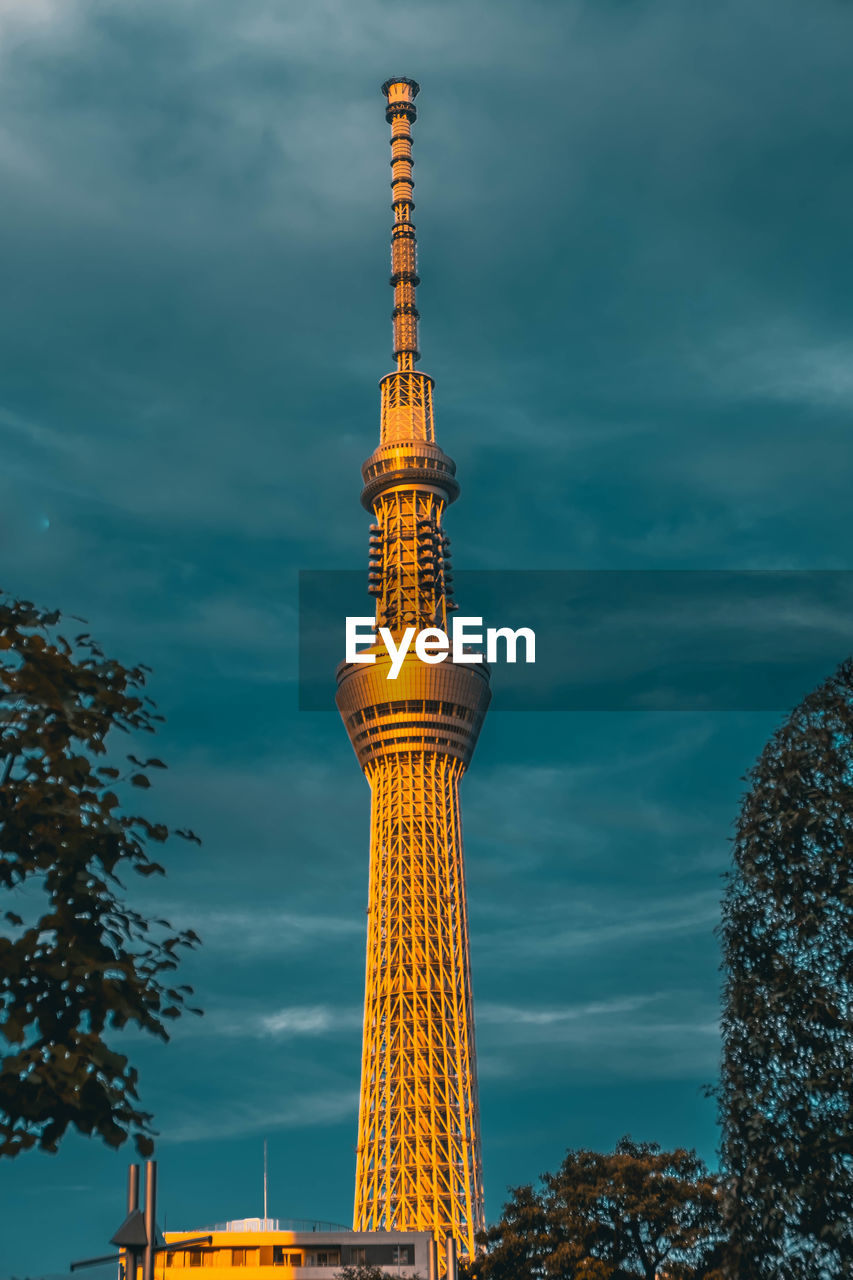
(633, 223)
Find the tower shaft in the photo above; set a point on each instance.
(419, 1155)
(419, 1163)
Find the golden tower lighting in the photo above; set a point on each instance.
(418, 1165)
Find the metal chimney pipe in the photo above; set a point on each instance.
(132, 1187)
(129, 1255)
(450, 1254)
(150, 1211)
(432, 1260)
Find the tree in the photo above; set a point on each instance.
(785, 1095)
(369, 1273)
(633, 1215)
(78, 961)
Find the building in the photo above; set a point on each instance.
(419, 1191)
(418, 1165)
(259, 1245)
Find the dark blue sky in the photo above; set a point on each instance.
(633, 222)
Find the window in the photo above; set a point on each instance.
(384, 1255)
(324, 1258)
(281, 1257)
(358, 1256)
(238, 1257)
(195, 1257)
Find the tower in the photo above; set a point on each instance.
(418, 1162)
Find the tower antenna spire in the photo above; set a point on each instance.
(401, 114)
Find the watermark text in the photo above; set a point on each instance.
(432, 645)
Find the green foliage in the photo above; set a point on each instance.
(77, 960)
(633, 1215)
(369, 1273)
(787, 931)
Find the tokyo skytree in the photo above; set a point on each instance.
(419, 1165)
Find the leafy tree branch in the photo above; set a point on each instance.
(89, 963)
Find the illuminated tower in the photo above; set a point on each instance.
(419, 1164)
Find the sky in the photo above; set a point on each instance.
(633, 224)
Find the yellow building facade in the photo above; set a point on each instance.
(243, 1248)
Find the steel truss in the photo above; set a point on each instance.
(419, 1164)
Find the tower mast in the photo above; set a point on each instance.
(419, 1164)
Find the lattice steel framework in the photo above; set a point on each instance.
(419, 1163)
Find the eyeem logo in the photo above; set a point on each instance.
(433, 645)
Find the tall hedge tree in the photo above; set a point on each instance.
(786, 1092)
(637, 1213)
(76, 960)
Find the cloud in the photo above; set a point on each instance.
(296, 1021)
(298, 1112)
(633, 246)
(276, 1024)
(779, 358)
(526, 1016)
(539, 815)
(19, 18)
(254, 931)
(666, 1034)
(274, 808)
(590, 926)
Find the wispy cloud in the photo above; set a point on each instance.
(642, 755)
(276, 1024)
(780, 359)
(298, 1112)
(264, 930)
(591, 925)
(524, 1015)
(16, 16)
(664, 1034)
